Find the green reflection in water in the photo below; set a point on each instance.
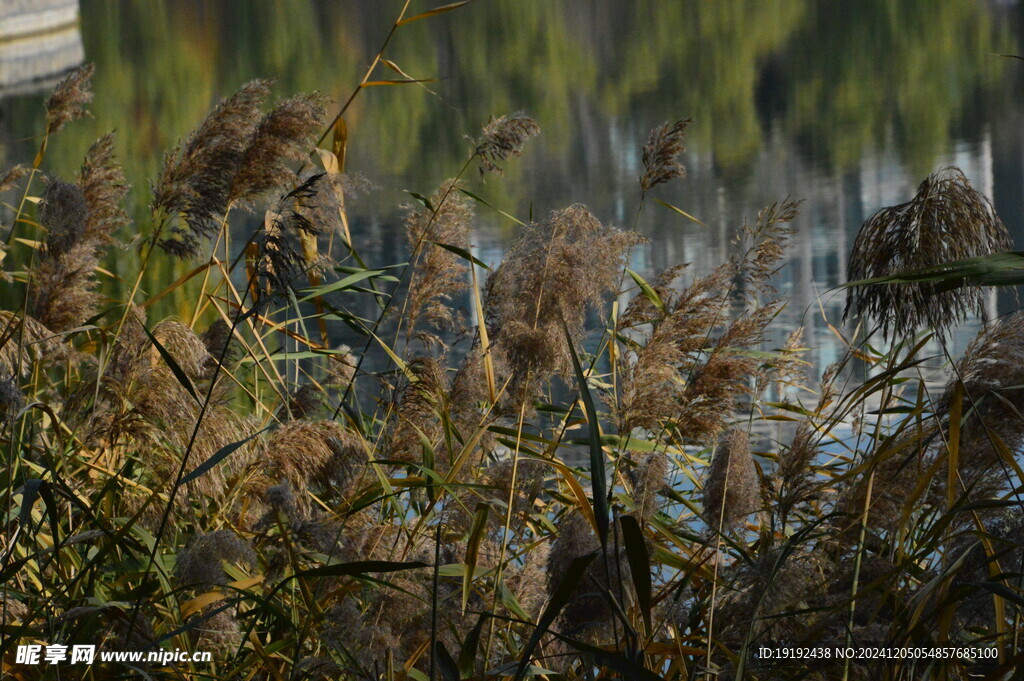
(835, 80)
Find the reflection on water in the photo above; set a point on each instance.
(845, 105)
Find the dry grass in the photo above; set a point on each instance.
(170, 489)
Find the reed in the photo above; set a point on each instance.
(167, 488)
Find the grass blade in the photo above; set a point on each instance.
(597, 468)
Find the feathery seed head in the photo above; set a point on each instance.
(197, 177)
(502, 137)
(946, 220)
(104, 187)
(648, 479)
(439, 273)
(11, 398)
(283, 134)
(539, 284)
(661, 154)
(201, 562)
(991, 372)
(732, 490)
(68, 100)
(12, 176)
(64, 212)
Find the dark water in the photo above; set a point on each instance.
(845, 105)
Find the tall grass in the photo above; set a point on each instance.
(581, 479)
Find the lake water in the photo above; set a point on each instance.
(845, 105)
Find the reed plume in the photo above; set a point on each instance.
(80, 220)
(946, 220)
(197, 178)
(648, 479)
(795, 472)
(69, 98)
(11, 177)
(25, 342)
(502, 137)
(538, 286)
(688, 364)
(281, 135)
(732, 490)
(439, 273)
(282, 260)
(990, 375)
(105, 188)
(311, 454)
(220, 344)
(63, 295)
(11, 398)
(200, 563)
(420, 402)
(661, 154)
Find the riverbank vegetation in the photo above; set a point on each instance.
(565, 470)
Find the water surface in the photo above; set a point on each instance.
(845, 105)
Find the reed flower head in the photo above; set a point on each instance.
(661, 154)
(732, 490)
(201, 562)
(502, 137)
(283, 134)
(25, 342)
(282, 259)
(11, 398)
(104, 187)
(63, 212)
(946, 220)
(220, 345)
(305, 402)
(197, 178)
(312, 454)
(421, 401)
(989, 377)
(589, 612)
(68, 100)
(648, 479)
(440, 273)
(341, 367)
(80, 220)
(12, 176)
(540, 284)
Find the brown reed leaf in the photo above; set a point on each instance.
(946, 220)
